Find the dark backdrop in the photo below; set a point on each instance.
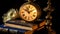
(5, 5)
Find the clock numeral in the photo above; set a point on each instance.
(34, 12)
(28, 18)
(23, 14)
(25, 17)
(29, 6)
(33, 15)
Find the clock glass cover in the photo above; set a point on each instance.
(28, 12)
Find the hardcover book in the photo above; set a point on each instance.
(19, 22)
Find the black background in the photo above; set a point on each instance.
(5, 5)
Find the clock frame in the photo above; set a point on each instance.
(35, 7)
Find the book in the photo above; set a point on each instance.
(18, 22)
(18, 26)
(11, 29)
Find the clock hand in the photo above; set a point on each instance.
(31, 10)
(27, 11)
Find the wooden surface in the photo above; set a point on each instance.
(29, 32)
(42, 23)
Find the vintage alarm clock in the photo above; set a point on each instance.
(10, 15)
(29, 11)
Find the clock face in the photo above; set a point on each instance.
(28, 12)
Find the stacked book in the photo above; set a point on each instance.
(11, 30)
(19, 24)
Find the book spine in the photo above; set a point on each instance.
(11, 30)
(18, 26)
(20, 23)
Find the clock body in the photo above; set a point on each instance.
(29, 12)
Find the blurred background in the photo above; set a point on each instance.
(5, 5)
